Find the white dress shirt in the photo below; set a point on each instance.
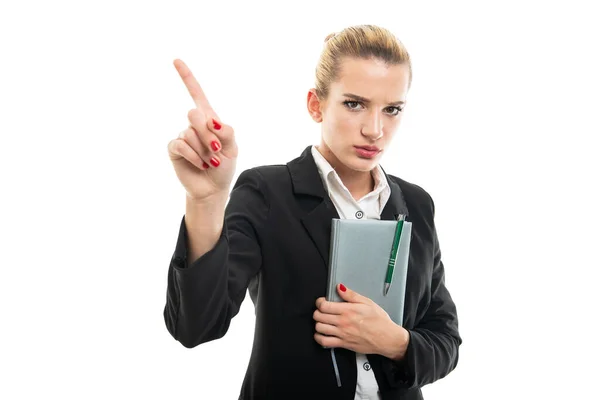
(370, 207)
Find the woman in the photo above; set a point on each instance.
(273, 236)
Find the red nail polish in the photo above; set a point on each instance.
(215, 145)
(204, 165)
(214, 162)
(216, 124)
(342, 287)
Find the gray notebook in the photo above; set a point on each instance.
(359, 257)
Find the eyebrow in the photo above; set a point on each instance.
(363, 99)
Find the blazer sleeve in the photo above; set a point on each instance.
(203, 295)
(432, 351)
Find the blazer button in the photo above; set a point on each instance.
(359, 214)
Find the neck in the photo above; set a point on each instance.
(359, 183)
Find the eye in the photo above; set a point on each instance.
(396, 110)
(348, 103)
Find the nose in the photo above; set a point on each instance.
(373, 128)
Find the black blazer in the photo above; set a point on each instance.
(275, 243)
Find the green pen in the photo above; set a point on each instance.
(392, 263)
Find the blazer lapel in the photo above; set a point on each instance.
(320, 210)
(318, 226)
(396, 204)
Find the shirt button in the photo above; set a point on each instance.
(359, 214)
(367, 366)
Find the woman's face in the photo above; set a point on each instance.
(361, 114)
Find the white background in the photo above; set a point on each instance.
(501, 129)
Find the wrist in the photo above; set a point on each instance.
(215, 200)
(204, 220)
(397, 344)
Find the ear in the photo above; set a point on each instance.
(313, 105)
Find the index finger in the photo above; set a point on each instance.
(192, 85)
(330, 307)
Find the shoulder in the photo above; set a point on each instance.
(262, 185)
(415, 196)
(265, 180)
(266, 174)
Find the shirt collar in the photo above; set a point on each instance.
(327, 172)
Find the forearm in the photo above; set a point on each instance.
(199, 306)
(431, 355)
(204, 224)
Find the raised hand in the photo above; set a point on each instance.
(204, 155)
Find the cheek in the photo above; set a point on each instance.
(343, 128)
(348, 125)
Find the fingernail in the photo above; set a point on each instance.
(204, 165)
(342, 287)
(214, 162)
(215, 145)
(216, 124)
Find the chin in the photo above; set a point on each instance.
(362, 164)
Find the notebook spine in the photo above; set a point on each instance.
(332, 260)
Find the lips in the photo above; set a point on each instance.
(368, 148)
(366, 151)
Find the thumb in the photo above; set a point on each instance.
(350, 295)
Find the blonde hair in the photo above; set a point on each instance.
(360, 41)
